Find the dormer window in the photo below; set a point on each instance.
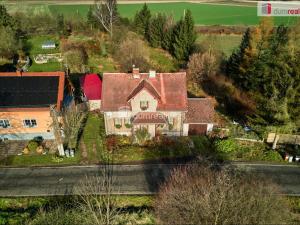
(144, 105)
(4, 124)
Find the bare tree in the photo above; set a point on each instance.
(106, 13)
(98, 198)
(200, 195)
(202, 66)
(73, 118)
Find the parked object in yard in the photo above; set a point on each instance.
(49, 45)
(297, 158)
(67, 153)
(72, 152)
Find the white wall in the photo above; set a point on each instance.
(94, 104)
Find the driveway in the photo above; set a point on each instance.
(128, 179)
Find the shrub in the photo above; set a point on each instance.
(32, 145)
(272, 156)
(118, 126)
(128, 125)
(202, 195)
(142, 135)
(123, 140)
(111, 143)
(133, 51)
(226, 146)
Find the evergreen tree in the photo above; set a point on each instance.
(190, 32)
(60, 24)
(91, 20)
(168, 34)
(156, 29)
(141, 20)
(5, 18)
(184, 37)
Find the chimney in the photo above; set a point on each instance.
(135, 72)
(152, 74)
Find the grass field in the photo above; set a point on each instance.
(204, 14)
(223, 43)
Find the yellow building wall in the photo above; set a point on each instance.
(42, 118)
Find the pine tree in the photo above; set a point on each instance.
(190, 32)
(168, 34)
(184, 37)
(91, 20)
(155, 32)
(141, 20)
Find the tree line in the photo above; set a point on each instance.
(267, 65)
(162, 32)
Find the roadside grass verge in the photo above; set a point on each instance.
(39, 160)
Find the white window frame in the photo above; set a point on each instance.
(127, 120)
(31, 123)
(6, 124)
(118, 121)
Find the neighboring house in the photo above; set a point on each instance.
(91, 86)
(25, 100)
(155, 101)
(49, 45)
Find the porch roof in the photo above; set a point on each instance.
(149, 118)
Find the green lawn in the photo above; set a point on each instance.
(47, 67)
(34, 47)
(204, 14)
(39, 160)
(224, 43)
(34, 44)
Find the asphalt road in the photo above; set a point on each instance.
(128, 179)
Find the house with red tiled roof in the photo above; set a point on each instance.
(155, 101)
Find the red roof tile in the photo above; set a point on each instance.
(200, 110)
(91, 85)
(169, 87)
(149, 118)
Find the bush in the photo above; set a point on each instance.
(133, 51)
(272, 156)
(202, 195)
(226, 146)
(32, 145)
(142, 135)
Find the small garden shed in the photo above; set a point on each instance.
(91, 86)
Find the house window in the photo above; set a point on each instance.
(4, 124)
(118, 123)
(144, 105)
(127, 123)
(30, 123)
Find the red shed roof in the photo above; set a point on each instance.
(91, 85)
